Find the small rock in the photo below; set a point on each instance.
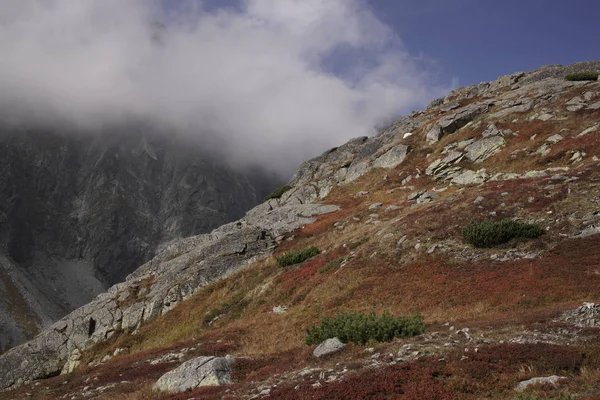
(375, 206)
(329, 346)
(554, 139)
(402, 240)
(280, 309)
(479, 199)
(553, 380)
(392, 208)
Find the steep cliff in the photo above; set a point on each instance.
(79, 211)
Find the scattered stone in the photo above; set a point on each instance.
(402, 240)
(197, 372)
(479, 199)
(391, 208)
(361, 193)
(329, 346)
(492, 130)
(280, 309)
(545, 117)
(375, 206)
(543, 150)
(535, 174)
(577, 156)
(553, 380)
(587, 315)
(554, 139)
(468, 177)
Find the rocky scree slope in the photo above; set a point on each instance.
(524, 146)
(79, 212)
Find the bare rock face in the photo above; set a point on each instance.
(154, 289)
(197, 372)
(80, 212)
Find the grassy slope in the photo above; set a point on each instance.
(453, 284)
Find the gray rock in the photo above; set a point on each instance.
(198, 372)
(392, 208)
(554, 139)
(553, 380)
(375, 206)
(327, 347)
(465, 115)
(280, 309)
(434, 134)
(535, 174)
(392, 158)
(491, 130)
(543, 150)
(467, 177)
(435, 103)
(484, 148)
(479, 199)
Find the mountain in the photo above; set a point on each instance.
(478, 214)
(80, 211)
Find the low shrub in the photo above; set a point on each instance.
(360, 328)
(492, 233)
(277, 193)
(335, 264)
(297, 256)
(354, 245)
(583, 76)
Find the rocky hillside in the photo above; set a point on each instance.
(79, 212)
(387, 215)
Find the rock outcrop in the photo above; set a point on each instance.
(154, 289)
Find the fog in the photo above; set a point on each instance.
(272, 82)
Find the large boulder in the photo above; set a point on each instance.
(197, 372)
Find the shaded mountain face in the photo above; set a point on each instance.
(79, 213)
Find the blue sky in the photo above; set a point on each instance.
(479, 40)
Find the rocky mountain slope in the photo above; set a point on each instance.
(79, 212)
(387, 214)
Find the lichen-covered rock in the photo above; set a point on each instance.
(197, 372)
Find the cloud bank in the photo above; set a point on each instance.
(272, 82)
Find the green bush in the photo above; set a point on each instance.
(491, 233)
(360, 328)
(583, 76)
(277, 193)
(297, 256)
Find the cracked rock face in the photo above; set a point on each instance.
(197, 372)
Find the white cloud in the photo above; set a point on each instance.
(260, 79)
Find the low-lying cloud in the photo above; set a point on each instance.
(272, 81)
